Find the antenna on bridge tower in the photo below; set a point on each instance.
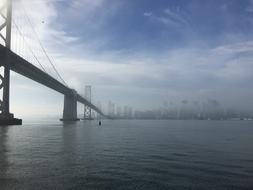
(6, 118)
(87, 109)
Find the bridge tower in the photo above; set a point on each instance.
(6, 118)
(87, 109)
(70, 107)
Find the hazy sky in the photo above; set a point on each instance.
(143, 52)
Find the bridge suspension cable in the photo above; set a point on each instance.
(42, 47)
(29, 47)
(30, 38)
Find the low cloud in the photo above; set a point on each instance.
(169, 17)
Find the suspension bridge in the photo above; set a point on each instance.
(18, 54)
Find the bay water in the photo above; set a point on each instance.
(127, 154)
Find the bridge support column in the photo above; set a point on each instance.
(70, 108)
(6, 118)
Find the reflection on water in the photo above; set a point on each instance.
(127, 155)
(3, 149)
(3, 156)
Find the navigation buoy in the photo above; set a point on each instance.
(99, 123)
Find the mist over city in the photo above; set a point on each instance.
(186, 110)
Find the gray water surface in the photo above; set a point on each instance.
(123, 154)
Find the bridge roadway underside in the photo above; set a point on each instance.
(23, 67)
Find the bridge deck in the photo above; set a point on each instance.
(23, 67)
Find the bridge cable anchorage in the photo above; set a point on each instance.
(29, 47)
(42, 47)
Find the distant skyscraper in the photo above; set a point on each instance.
(111, 108)
(125, 111)
(130, 113)
(118, 112)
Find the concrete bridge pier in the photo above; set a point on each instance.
(70, 108)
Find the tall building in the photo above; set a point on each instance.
(111, 109)
(125, 112)
(130, 113)
(119, 114)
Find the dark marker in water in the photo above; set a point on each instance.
(99, 123)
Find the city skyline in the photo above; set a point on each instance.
(209, 109)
